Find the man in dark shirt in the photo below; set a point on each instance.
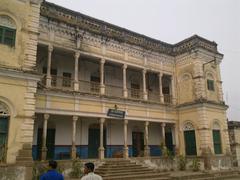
(52, 174)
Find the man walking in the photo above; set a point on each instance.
(89, 172)
(52, 174)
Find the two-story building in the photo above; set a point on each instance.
(62, 72)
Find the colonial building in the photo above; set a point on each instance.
(75, 86)
(234, 136)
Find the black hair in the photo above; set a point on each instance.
(89, 166)
(52, 164)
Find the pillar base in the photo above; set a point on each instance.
(74, 153)
(162, 99)
(145, 96)
(125, 153)
(125, 93)
(48, 81)
(146, 151)
(101, 153)
(76, 86)
(44, 153)
(102, 89)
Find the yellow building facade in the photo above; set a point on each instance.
(72, 85)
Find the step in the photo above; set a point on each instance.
(137, 176)
(121, 166)
(123, 170)
(127, 173)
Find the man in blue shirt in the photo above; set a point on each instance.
(52, 174)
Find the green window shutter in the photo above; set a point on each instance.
(210, 85)
(217, 142)
(1, 34)
(190, 142)
(9, 37)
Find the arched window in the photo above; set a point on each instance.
(7, 31)
(4, 116)
(217, 138)
(190, 140)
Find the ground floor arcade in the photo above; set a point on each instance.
(65, 137)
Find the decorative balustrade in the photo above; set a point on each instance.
(90, 87)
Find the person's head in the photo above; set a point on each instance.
(88, 167)
(52, 164)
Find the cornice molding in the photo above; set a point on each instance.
(109, 31)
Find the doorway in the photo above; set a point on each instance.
(94, 141)
(169, 141)
(3, 137)
(190, 142)
(137, 143)
(50, 142)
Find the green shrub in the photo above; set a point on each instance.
(182, 163)
(195, 164)
(76, 169)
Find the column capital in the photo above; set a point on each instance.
(77, 54)
(124, 66)
(146, 123)
(50, 48)
(125, 121)
(163, 124)
(46, 116)
(102, 61)
(75, 118)
(144, 71)
(102, 120)
(160, 74)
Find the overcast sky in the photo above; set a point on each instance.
(174, 20)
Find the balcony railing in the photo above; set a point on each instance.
(90, 87)
(114, 91)
(167, 98)
(135, 93)
(153, 96)
(62, 82)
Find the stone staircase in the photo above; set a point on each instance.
(120, 169)
(125, 169)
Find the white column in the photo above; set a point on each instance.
(145, 96)
(146, 147)
(125, 91)
(44, 137)
(163, 134)
(160, 75)
(74, 150)
(101, 148)
(49, 78)
(125, 149)
(176, 132)
(102, 86)
(173, 90)
(76, 82)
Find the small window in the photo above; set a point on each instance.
(210, 85)
(7, 36)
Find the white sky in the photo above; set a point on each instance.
(174, 20)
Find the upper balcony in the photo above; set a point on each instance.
(72, 71)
